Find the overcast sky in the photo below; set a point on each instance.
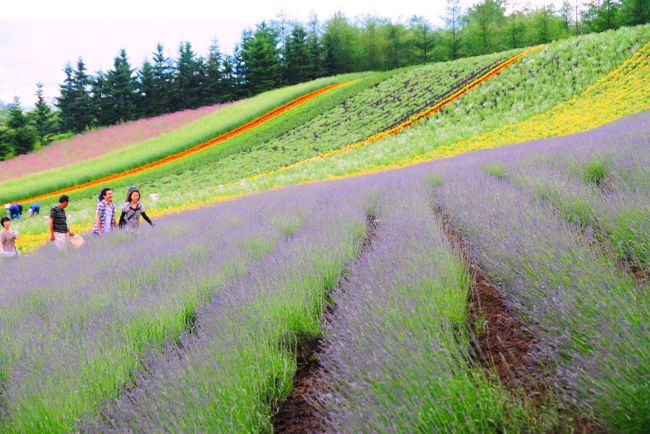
(37, 37)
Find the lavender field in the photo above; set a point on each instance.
(201, 324)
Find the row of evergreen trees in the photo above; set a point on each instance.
(284, 52)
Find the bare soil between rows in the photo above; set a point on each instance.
(297, 414)
(500, 341)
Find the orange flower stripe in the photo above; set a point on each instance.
(221, 138)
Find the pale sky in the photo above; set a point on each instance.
(37, 37)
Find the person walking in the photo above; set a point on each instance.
(8, 238)
(131, 212)
(105, 213)
(59, 232)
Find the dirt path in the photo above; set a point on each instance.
(297, 414)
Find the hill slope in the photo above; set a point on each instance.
(532, 87)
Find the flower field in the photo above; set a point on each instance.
(502, 290)
(197, 324)
(605, 79)
(370, 107)
(99, 142)
(132, 157)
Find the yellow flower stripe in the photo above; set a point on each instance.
(624, 91)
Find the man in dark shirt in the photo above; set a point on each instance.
(59, 232)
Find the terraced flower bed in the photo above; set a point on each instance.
(99, 142)
(181, 139)
(568, 86)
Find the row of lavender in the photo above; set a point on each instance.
(75, 330)
(397, 355)
(229, 375)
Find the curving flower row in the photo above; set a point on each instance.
(622, 92)
(221, 138)
(413, 120)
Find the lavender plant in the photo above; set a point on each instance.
(396, 356)
(240, 362)
(587, 313)
(72, 339)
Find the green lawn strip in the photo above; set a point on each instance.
(154, 149)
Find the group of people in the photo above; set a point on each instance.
(105, 220)
(16, 210)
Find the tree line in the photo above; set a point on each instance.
(283, 52)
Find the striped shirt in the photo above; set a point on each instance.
(57, 214)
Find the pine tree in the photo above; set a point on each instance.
(121, 88)
(453, 22)
(6, 143)
(296, 56)
(635, 12)
(395, 45)
(65, 100)
(42, 115)
(162, 84)
(101, 100)
(81, 106)
(423, 39)
(485, 22)
(314, 50)
(145, 92)
(261, 57)
(189, 78)
(214, 86)
(372, 52)
(601, 16)
(231, 86)
(24, 135)
(338, 45)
